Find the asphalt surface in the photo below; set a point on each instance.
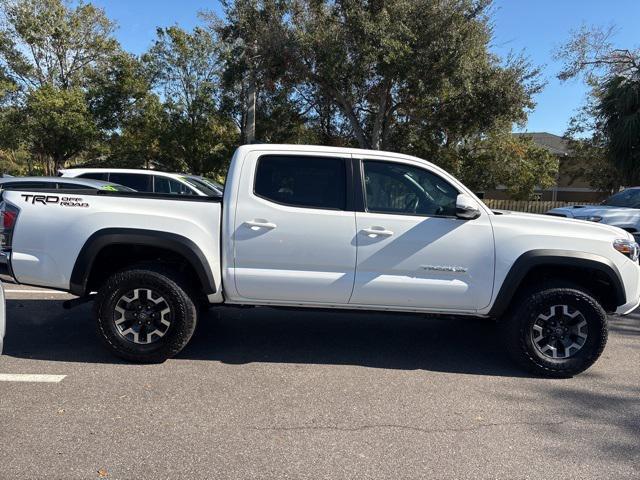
(262, 393)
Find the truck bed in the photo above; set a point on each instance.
(60, 222)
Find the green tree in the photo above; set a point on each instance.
(186, 69)
(50, 51)
(619, 111)
(280, 118)
(516, 163)
(607, 129)
(58, 125)
(51, 43)
(115, 89)
(406, 70)
(253, 42)
(138, 143)
(588, 146)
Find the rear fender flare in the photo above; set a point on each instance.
(132, 236)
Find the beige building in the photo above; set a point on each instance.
(566, 189)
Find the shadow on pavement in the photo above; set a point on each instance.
(629, 325)
(41, 329)
(615, 407)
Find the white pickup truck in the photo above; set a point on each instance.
(321, 227)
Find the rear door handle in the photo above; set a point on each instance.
(377, 231)
(257, 224)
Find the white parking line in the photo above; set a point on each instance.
(48, 292)
(26, 377)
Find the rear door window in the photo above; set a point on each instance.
(74, 186)
(169, 185)
(95, 175)
(137, 181)
(299, 181)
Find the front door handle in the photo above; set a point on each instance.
(258, 224)
(377, 231)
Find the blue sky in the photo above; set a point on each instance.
(535, 27)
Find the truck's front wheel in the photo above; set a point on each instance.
(556, 331)
(145, 314)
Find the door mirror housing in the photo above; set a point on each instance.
(466, 207)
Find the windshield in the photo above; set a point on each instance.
(206, 186)
(627, 198)
(212, 183)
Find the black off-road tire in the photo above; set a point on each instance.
(162, 281)
(518, 330)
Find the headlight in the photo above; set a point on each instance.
(591, 218)
(628, 248)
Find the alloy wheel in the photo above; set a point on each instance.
(142, 316)
(560, 333)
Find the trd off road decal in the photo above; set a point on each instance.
(55, 200)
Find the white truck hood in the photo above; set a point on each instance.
(559, 224)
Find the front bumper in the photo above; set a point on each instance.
(630, 274)
(628, 307)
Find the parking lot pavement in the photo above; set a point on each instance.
(262, 393)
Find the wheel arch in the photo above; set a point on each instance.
(603, 276)
(181, 246)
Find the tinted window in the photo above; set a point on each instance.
(94, 175)
(73, 186)
(302, 181)
(137, 181)
(168, 185)
(27, 185)
(404, 189)
(203, 186)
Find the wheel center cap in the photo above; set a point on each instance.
(558, 331)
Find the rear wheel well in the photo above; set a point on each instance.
(593, 281)
(116, 257)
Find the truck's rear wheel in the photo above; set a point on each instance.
(145, 314)
(556, 332)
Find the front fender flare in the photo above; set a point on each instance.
(565, 258)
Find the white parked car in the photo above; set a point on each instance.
(621, 210)
(150, 180)
(57, 183)
(321, 227)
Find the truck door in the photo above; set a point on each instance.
(412, 250)
(294, 233)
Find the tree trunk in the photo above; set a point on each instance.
(250, 129)
(58, 163)
(381, 116)
(347, 109)
(250, 133)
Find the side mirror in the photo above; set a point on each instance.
(466, 207)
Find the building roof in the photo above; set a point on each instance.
(555, 144)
